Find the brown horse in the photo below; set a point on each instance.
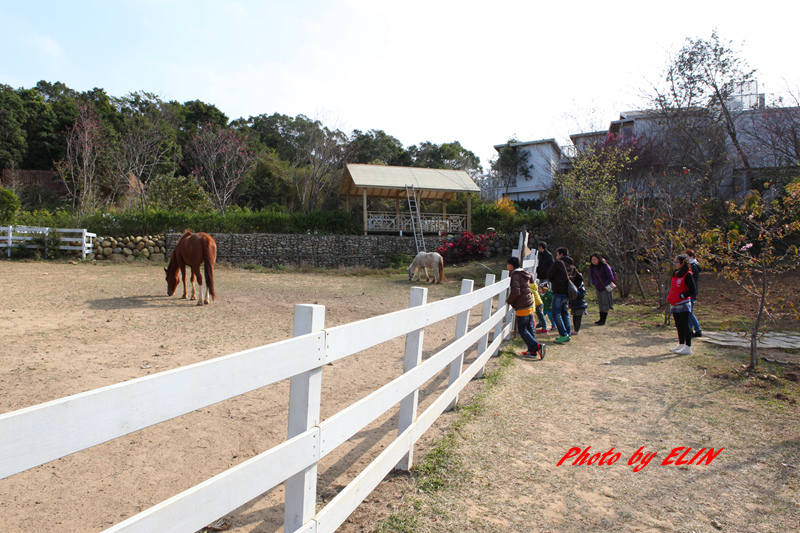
(192, 250)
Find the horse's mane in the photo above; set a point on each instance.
(173, 264)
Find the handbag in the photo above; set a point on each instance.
(572, 290)
(611, 286)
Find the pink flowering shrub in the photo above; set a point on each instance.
(465, 248)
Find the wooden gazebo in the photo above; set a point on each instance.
(402, 184)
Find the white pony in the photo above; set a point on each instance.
(426, 260)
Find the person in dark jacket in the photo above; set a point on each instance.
(558, 275)
(602, 277)
(578, 306)
(694, 324)
(521, 299)
(680, 294)
(545, 262)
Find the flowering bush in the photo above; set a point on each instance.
(465, 248)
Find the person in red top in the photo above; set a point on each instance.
(681, 290)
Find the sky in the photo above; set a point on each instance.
(477, 72)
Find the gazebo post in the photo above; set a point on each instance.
(397, 214)
(444, 215)
(365, 211)
(469, 212)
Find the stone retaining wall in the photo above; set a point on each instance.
(326, 251)
(130, 248)
(271, 250)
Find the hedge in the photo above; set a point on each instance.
(236, 220)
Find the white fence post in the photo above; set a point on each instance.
(501, 302)
(305, 396)
(461, 329)
(509, 311)
(486, 312)
(413, 357)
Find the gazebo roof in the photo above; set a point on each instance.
(382, 181)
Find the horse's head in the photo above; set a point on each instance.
(172, 278)
(410, 273)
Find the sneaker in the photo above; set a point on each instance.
(540, 326)
(541, 351)
(529, 355)
(573, 333)
(542, 330)
(562, 339)
(686, 350)
(697, 334)
(678, 348)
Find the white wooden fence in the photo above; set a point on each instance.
(36, 435)
(71, 239)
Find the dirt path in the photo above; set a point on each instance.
(616, 387)
(72, 328)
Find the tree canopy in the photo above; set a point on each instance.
(148, 141)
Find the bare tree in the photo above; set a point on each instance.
(321, 153)
(78, 170)
(219, 159)
(702, 84)
(146, 145)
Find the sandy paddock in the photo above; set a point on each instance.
(69, 328)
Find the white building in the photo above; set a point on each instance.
(543, 159)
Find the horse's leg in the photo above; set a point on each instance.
(183, 276)
(427, 276)
(194, 293)
(200, 298)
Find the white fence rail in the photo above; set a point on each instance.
(71, 239)
(35, 435)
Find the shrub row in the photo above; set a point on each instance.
(235, 220)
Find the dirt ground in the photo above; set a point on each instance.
(615, 387)
(69, 328)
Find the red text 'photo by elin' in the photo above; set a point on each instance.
(677, 456)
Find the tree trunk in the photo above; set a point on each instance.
(757, 324)
(639, 281)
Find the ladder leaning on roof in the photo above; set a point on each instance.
(416, 220)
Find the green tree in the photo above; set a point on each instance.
(267, 183)
(9, 206)
(446, 155)
(45, 143)
(63, 103)
(13, 143)
(196, 114)
(377, 147)
(177, 193)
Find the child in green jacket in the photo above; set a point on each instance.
(547, 307)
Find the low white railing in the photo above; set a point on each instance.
(35, 435)
(391, 221)
(74, 239)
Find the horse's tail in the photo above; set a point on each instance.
(441, 269)
(209, 258)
